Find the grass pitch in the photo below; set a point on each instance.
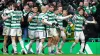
(53, 55)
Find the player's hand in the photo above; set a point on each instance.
(94, 21)
(4, 18)
(83, 27)
(61, 28)
(53, 24)
(57, 24)
(70, 15)
(34, 15)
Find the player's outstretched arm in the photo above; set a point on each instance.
(63, 18)
(93, 22)
(44, 21)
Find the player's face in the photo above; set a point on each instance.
(10, 7)
(35, 9)
(45, 10)
(81, 12)
(65, 13)
(26, 8)
(13, 8)
(51, 8)
(60, 9)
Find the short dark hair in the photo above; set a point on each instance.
(58, 6)
(15, 5)
(51, 5)
(80, 8)
(26, 5)
(9, 4)
(35, 6)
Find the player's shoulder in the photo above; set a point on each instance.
(16, 11)
(42, 14)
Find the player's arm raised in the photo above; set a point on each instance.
(93, 22)
(64, 17)
(30, 17)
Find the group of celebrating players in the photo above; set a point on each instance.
(47, 24)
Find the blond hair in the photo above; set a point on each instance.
(43, 8)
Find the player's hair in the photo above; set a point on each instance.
(51, 5)
(80, 8)
(9, 4)
(43, 8)
(15, 5)
(26, 5)
(35, 6)
(58, 7)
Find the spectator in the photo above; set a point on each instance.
(2, 6)
(24, 24)
(98, 17)
(1, 24)
(30, 3)
(19, 4)
(45, 2)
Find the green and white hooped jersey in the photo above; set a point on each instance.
(16, 17)
(7, 22)
(79, 22)
(33, 23)
(51, 18)
(40, 25)
(59, 21)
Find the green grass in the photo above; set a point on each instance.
(55, 55)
